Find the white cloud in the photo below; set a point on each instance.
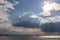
(47, 19)
(34, 16)
(15, 2)
(50, 19)
(4, 5)
(48, 7)
(26, 14)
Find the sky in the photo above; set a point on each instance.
(28, 14)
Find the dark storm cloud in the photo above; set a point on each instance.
(51, 27)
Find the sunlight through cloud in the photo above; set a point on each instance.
(48, 7)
